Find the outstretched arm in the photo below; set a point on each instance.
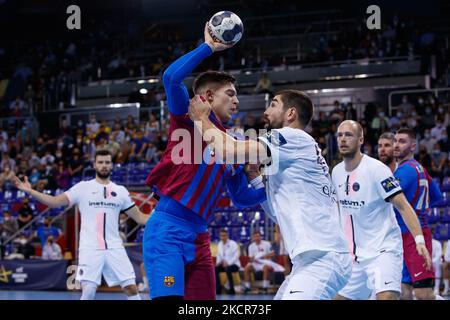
(48, 200)
(177, 94)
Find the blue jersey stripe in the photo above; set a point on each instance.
(194, 184)
(213, 197)
(206, 188)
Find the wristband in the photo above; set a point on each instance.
(419, 239)
(257, 183)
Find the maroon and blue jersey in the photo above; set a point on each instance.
(419, 189)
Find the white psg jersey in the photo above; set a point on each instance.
(300, 193)
(100, 206)
(369, 219)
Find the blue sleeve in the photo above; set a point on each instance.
(406, 177)
(176, 92)
(241, 194)
(435, 193)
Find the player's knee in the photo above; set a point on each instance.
(388, 295)
(88, 290)
(424, 294)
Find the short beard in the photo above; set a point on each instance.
(349, 154)
(387, 160)
(103, 176)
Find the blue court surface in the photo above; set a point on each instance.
(67, 295)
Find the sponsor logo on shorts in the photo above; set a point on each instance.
(418, 274)
(169, 281)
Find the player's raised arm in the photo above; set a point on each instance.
(412, 222)
(177, 94)
(48, 200)
(225, 146)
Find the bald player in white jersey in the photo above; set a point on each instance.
(366, 190)
(101, 251)
(299, 193)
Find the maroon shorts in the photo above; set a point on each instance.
(413, 261)
(200, 278)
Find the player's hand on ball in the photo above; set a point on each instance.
(199, 108)
(24, 186)
(215, 44)
(423, 251)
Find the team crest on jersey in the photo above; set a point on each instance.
(113, 193)
(275, 138)
(356, 187)
(169, 281)
(389, 184)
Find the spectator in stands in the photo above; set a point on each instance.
(34, 176)
(428, 119)
(227, 261)
(5, 177)
(118, 134)
(34, 160)
(405, 107)
(9, 226)
(438, 130)
(7, 161)
(76, 164)
(260, 253)
(24, 248)
(63, 177)
(47, 159)
(378, 125)
(46, 230)
(428, 141)
(138, 147)
(394, 121)
(3, 145)
(25, 213)
(444, 143)
(51, 250)
(424, 158)
(93, 126)
(152, 155)
(438, 159)
(264, 85)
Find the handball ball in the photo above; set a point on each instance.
(226, 27)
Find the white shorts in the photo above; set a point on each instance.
(316, 275)
(372, 276)
(114, 264)
(259, 265)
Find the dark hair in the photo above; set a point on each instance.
(213, 79)
(410, 132)
(224, 231)
(102, 152)
(256, 232)
(387, 136)
(301, 102)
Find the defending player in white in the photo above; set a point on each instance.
(366, 191)
(299, 193)
(101, 251)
